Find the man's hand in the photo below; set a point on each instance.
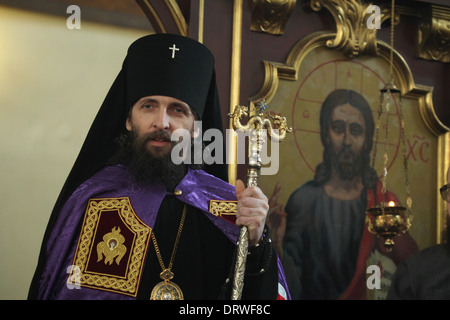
(252, 208)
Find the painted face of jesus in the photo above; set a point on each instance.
(347, 134)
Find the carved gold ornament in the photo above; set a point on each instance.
(353, 36)
(270, 16)
(434, 34)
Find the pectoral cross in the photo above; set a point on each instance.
(174, 48)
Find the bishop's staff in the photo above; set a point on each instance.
(256, 127)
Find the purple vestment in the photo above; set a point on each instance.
(117, 213)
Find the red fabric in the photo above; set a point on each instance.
(404, 247)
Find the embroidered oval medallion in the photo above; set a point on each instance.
(166, 290)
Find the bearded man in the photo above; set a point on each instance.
(131, 224)
(321, 235)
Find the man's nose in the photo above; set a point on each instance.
(163, 120)
(348, 139)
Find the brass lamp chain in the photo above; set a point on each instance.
(386, 137)
(390, 219)
(402, 120)
(391, 57)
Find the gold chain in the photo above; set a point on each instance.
(391, 54)
(175, 246)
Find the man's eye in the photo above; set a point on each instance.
(356, 129)
(147, 106)
(338, 128)
(178, 110)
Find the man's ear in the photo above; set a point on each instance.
(128, 124)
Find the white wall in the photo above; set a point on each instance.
(52, 82)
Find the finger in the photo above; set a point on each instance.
(252, 202)
(255, 227)
(254, 192)
(245, 211)
(276, 190)
(239, 188)
(277, 209)
(252, 223)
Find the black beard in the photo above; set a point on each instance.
(347, 169)
(147, 167)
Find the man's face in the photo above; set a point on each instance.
(347, 134)
(154, 118)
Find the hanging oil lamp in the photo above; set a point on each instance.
(388, 218)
